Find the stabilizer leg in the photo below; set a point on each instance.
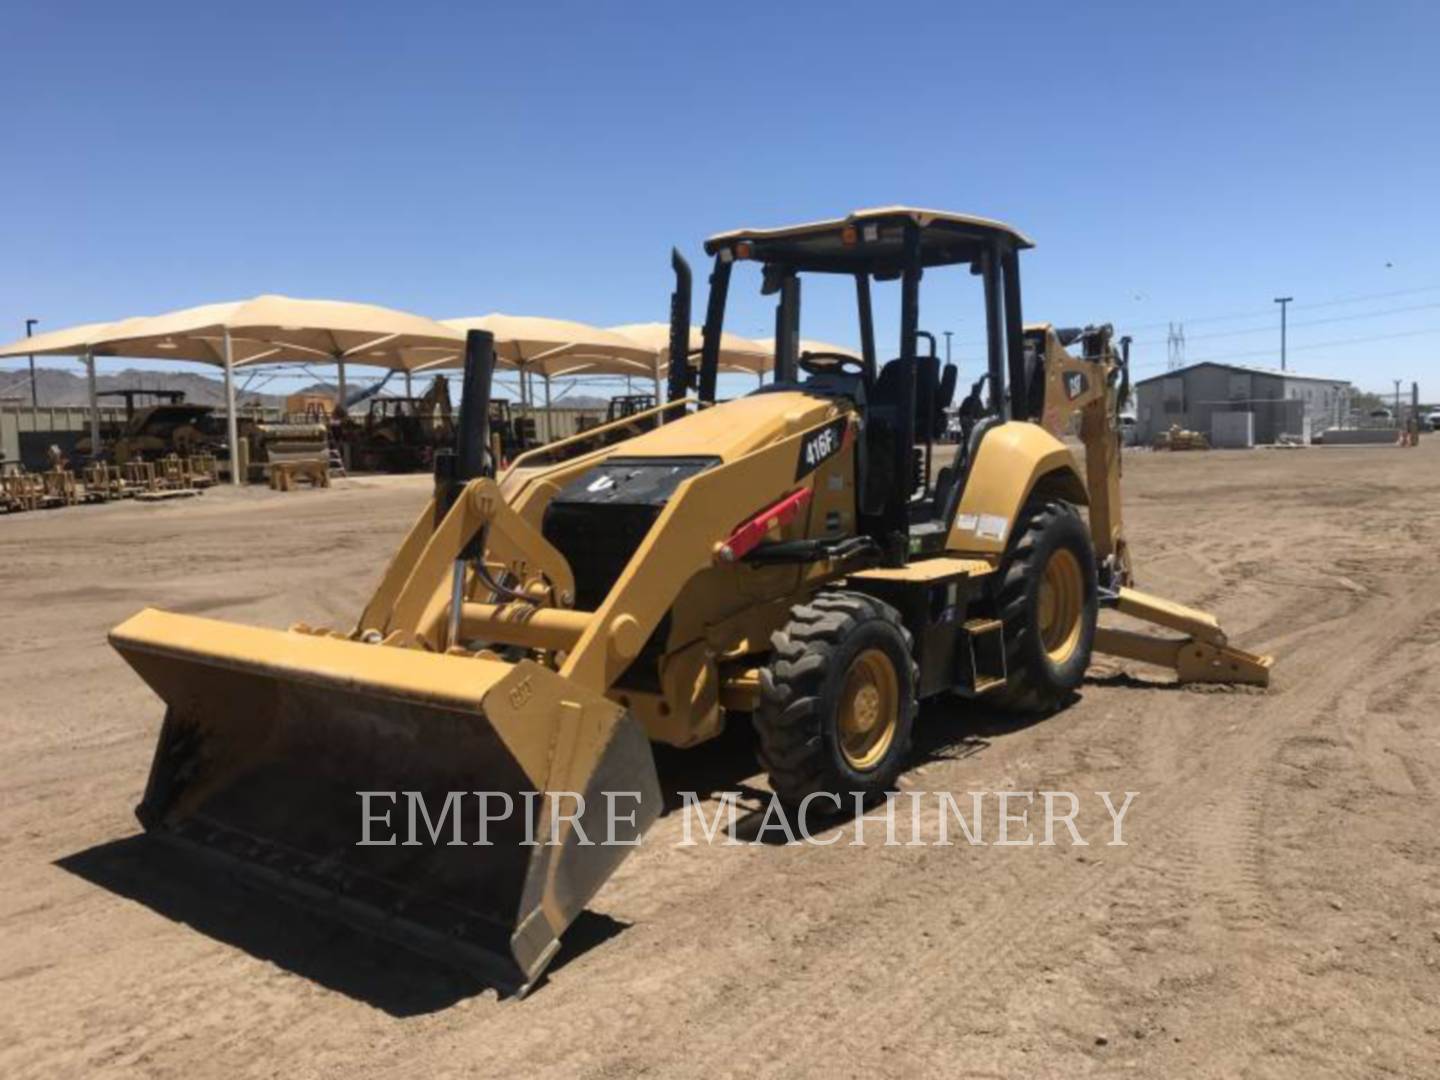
(1203, 655)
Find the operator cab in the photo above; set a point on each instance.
(904, 504)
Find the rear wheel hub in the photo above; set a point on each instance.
(1061, 604)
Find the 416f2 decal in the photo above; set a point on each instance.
(820, 446)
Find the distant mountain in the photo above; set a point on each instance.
(56, 386)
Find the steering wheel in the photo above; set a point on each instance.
(827, 363)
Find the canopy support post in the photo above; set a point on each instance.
(525, 412)
(659, 392)
(549, 432)
(408, 392)
(94, 403)
(340, 381)
(232, 422)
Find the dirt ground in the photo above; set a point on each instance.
(1275, 912)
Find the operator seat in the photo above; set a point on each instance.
(933, 393)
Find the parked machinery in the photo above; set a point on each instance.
(514, 434)
(790, 557)
(167, 425)
(402, 434)
(274, 443)
(638, 409)
(1177, 438)
(628, 405)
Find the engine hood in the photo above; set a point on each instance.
(734, 428)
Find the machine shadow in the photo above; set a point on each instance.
(723, 764)
(1128, 681)
(947, 729)
(404, 984)
(302, 942)
(951, 727)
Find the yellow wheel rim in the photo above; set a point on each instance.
(869, 709)
(1062, 605)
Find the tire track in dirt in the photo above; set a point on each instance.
(1227, 839)
(1206, 855)
(784, 961)
(1205, 864)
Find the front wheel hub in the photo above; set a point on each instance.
(869, 709)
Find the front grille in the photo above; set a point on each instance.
(599, 520)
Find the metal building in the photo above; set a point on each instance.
(1238, 405)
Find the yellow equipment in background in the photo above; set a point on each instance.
(291, 442)
(1177, 438)
(792, 557)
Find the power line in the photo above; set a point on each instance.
(1258, 313)
(1368, 296)
(1269, 317)
(1299, 348)
(1293, 325)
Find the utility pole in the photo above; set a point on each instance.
(947, 346)
(1283, 301)
(1397, 401)
(34, 394)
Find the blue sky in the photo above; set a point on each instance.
(1173, 163)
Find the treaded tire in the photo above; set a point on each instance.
(797, 721)
(1036, 682)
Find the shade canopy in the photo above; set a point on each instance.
(264, 329)
(269, 328)
(555, 347)
(284, 328)
(736, 353)
(119, 339)
(71, 341)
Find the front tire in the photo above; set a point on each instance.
(837, 701)
(1049, 602)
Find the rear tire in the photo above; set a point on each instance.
(1049, 601)
(837, 701)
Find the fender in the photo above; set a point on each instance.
(1015, 461)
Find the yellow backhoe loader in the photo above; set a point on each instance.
(795, 558)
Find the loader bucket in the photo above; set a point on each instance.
(269, 737)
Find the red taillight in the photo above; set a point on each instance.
(748, 535)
